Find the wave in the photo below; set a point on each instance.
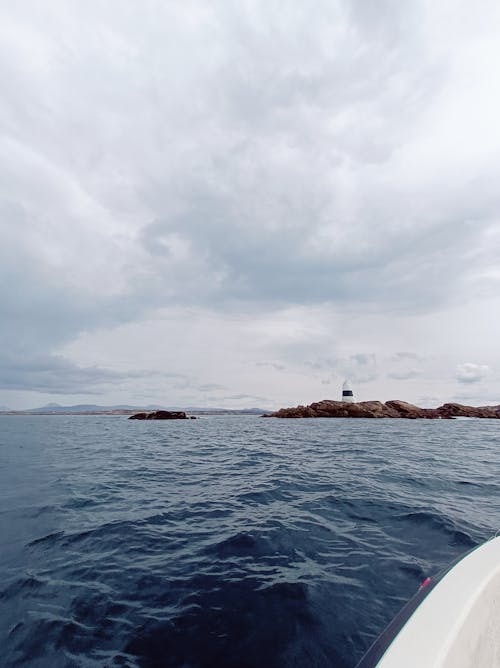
(238, 543)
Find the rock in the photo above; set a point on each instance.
(391, 409)
(139, 416)
(406, 410)
(160, 415)
(458, 410)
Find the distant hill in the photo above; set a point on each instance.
(86, 408)
(54, 408)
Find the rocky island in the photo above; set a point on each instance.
(389, 409)
(161, 415)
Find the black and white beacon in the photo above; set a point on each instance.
(347, 394)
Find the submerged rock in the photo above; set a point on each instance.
(391, 409)
(160, 415)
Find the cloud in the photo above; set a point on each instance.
(429, 401)
(271, 365)
(358, 367)
(295, 122)
(58, 375)
(210, 387)
(404, 375)
(480, 398)
(244, 162)
(240, 397)
(472, 373)
(402, 365)
(404, 356)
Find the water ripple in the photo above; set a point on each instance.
(228, 541)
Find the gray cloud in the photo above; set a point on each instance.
(405, 365)
(359, 367)
(271, 365)
(57, 375)
(241, 162)
(210, 387)
(404, 375)
(240, 397)
(485, 398)
(429, 401)
(404, 356)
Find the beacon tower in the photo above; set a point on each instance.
(347, 394)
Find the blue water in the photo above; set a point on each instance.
(228, 541)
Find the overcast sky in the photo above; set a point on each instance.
(240, 204)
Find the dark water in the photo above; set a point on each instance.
(228, 541)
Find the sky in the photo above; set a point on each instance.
(242, 204)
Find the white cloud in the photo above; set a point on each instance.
(472, 373)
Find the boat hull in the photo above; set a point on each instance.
(452, 622)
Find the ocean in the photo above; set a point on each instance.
(228, 540)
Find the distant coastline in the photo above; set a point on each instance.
(83, 409)
(326, 408)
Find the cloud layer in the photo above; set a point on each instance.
(326, 180)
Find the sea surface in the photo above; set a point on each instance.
(228, 541)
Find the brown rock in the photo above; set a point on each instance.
(160, 415)
(391, 409)
(406, 410)
(458, 410)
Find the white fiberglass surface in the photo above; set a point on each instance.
(458, 624)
